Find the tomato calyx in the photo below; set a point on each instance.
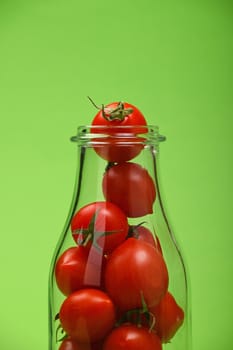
(89, 234)
(139, 316)
(118, 113)
(110, 114)
(60, 333)
(133, 230)
(109, 165)
(62, 337)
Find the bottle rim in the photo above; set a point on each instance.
(118, 133)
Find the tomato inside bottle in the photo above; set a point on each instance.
(118, 279)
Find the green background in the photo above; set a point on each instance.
(173, 59)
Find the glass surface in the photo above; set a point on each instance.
(117, 260)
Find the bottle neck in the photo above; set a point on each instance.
(118, 136)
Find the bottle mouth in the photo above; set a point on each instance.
(119, 133)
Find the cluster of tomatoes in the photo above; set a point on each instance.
(115, 278)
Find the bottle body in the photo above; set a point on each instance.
(117, 267)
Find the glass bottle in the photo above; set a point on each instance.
(117, 266)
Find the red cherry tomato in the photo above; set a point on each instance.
(118, 114)
(120, 123)
(102, 223)
(135, 271)
(169, 317)
(79, 267)
(87, 315)
(130, 187)
(131, 337)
